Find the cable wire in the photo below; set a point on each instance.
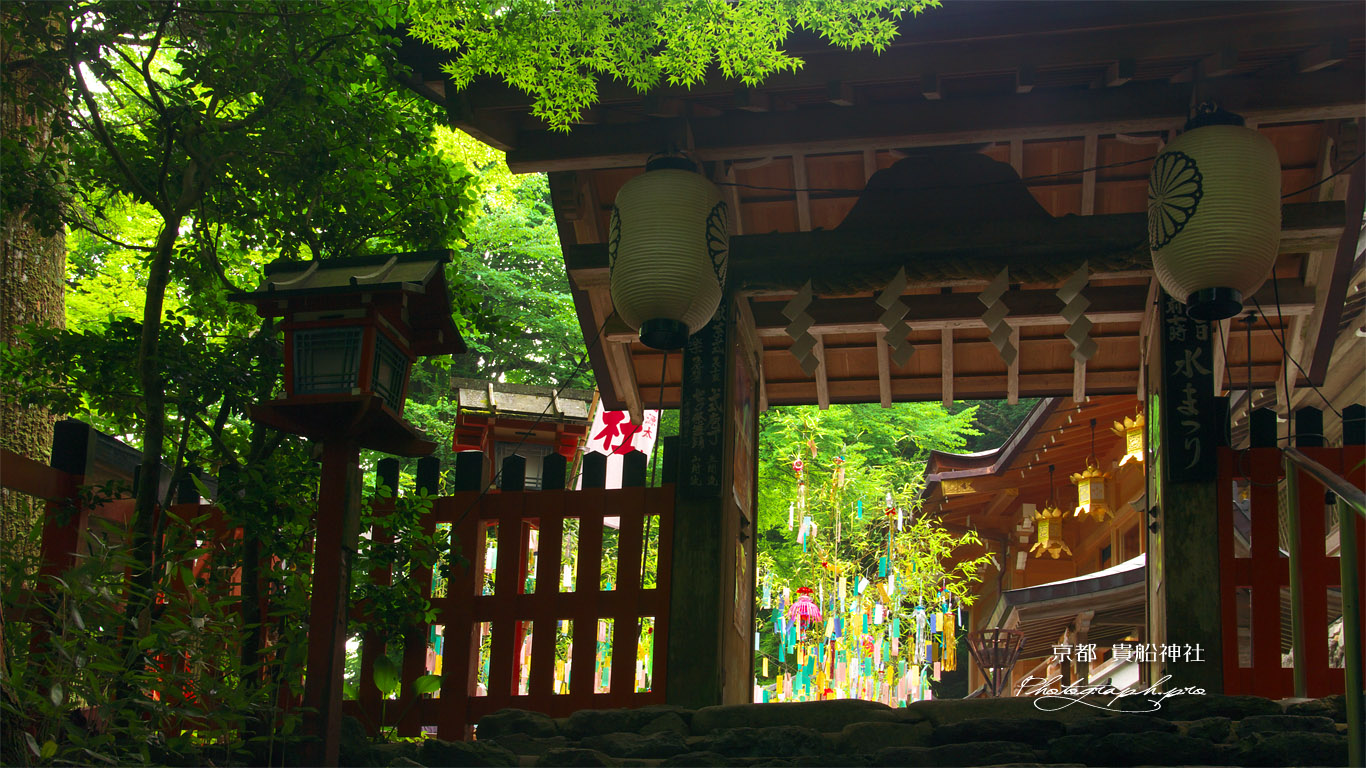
(1285, 355)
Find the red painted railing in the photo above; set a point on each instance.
(511, 611)
(1267, 571)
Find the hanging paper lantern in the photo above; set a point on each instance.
(1131, 429)
(803, 613)
(666, 252)
(1049, 522)
(1091, 493)
(1214, 214)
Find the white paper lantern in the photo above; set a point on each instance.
(667, 251)
(1214, 214)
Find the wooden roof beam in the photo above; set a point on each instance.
(1322, 56)
(745, 317)
(946, 365)
(884, 372)
(1013, 370)
(799, 180)
(1119, 72)
(1090, 151)
(840, 94)
(1109, 304)
(1024, 79)
(751, 100)
(1305, 227)
(1052, 113)
(1219, 64)
(1249, 27)
(929, 85)
(822, 377)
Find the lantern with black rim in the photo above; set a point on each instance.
(667, 250)
(1214, 213)
(352, 330)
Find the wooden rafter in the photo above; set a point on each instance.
(1013, 370)
(1138, 107)
(745, 318)
(833, 255)
(1109, 304)
(799, 181)
(822, 376)
(946, 365)
(1088, 177)
(884, 372)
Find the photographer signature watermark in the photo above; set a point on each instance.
(1052, 694)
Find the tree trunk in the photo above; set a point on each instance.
(154, 423)
(32, 274)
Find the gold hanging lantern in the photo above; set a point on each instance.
(1091, 486)
(1049, 522)
(1091, 493)
(1131, 429)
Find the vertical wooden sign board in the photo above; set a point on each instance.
(1190, 429)
(702, 412)
(1189, 415)
(699, 606)
(710, 638)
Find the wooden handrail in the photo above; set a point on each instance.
(1355, 497)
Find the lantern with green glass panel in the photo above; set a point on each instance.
(352, 328)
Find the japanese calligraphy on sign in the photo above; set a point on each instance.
(702, 411)
(1191, 414)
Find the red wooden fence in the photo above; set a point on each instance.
(511, 611)
(1267, 571)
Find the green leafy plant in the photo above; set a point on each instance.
(558, 50)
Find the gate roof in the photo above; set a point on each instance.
(1072, 97)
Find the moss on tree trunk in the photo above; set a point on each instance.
(32, 290)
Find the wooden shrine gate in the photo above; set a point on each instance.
(1266, 573)
(512, 590)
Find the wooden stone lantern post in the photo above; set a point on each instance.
(352, 330)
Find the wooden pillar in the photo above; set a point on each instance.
(1185, 553)
(710, 656)
(338, 526)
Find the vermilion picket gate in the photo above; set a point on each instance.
(511, 610)
(1267, 571)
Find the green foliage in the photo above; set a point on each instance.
(64, 680)
(405, 547)
(521, 325)
(996, 420)
(884, 450)
(557, 50)
(870, 454)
